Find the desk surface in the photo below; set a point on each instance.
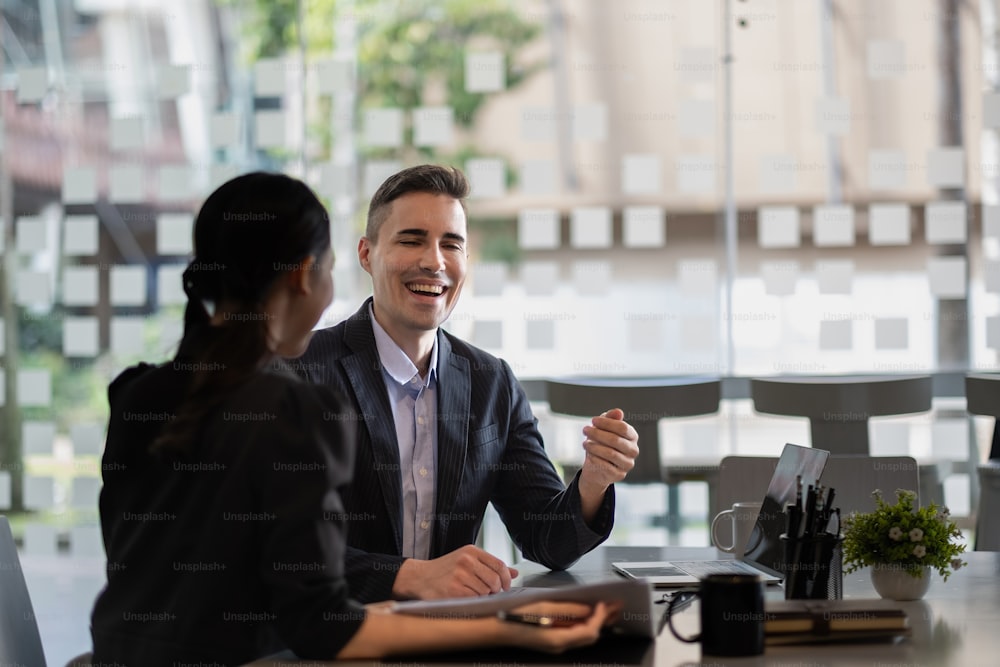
(957, 624)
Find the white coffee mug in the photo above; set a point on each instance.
(740, 520)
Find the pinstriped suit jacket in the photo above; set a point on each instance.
(489, 450)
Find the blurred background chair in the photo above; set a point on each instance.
(20, 643)
(745, 478)
(839, 407)
(982, 397)
(645, 402)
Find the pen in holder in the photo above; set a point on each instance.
(814, 567)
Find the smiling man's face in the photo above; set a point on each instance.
(417, 263)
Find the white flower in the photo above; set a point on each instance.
(916, 535)
(896, 533)
(919, 551)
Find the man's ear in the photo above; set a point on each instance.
(300, 278)
(364, 251)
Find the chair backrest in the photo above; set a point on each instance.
(745, 478)
(20, 643)
(645, 402)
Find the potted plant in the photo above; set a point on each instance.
(902, 544)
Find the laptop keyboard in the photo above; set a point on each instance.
(703, 568)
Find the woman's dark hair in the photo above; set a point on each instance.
(248, 233)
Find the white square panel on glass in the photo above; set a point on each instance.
(220, 173)
(79, 185)
(80, 286)
(433, 126)
(833, 116)
(85, 492)
(991, 110)
(336, 180)
(38, 437)
(889, 224)
(947, 277)
(224, 129)
(540, 334)
(127, 336)
(591, 278)
(173, 81)
(950, 439)
(174, 234)
(946, 167)
(892, 333)
(833, 226)
(39, 494)
(538, 124)
(34, 387)
(489, 278)
(32, 84)
(991, 276)
(887, 169)
(538, 177)
(127, 133)
(269, 76)
(487, 334)
(697, 63)
(269, 129)
(41, 539)
(836, 334)
(993, 332)
(590, 227)
(641, 174)
(777, 174)
(5, 490)
(86, 540)
(834, 276)
(645, 333)
(485, 72)
(697, 277)
(335, 75)
(80, 235)
(31, 234)
(538, 229)
(539, 278)
(376, 171)
(169, 285)
(991, 221)
(780, 277)
(696, 174)
(487, 177)
(945, 222)
(87, 438)
(175, 183)
(80, 336)
(128, 285)
(384, 127)
(886, 58)
(644, 227)
(698, 334)
(33, 288)
(696, 119)
(126, 184)
(778, 227)
(590, 122)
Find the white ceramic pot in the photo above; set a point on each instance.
(896, 583)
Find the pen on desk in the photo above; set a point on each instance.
(542, 620)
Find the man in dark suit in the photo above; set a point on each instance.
(445, 427)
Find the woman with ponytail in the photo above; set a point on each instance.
(220, 513)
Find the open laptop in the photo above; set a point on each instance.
(765, 552)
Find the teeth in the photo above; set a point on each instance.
(427, 289)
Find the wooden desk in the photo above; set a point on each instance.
(957, 624)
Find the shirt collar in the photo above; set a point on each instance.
(394, 360)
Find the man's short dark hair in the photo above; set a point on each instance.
(431, 178)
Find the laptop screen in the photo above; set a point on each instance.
(764, 548)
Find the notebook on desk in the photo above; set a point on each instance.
(764, 554)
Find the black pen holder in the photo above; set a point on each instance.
(814, 567)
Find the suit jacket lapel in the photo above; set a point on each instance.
(363, 370)
(453, 399)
